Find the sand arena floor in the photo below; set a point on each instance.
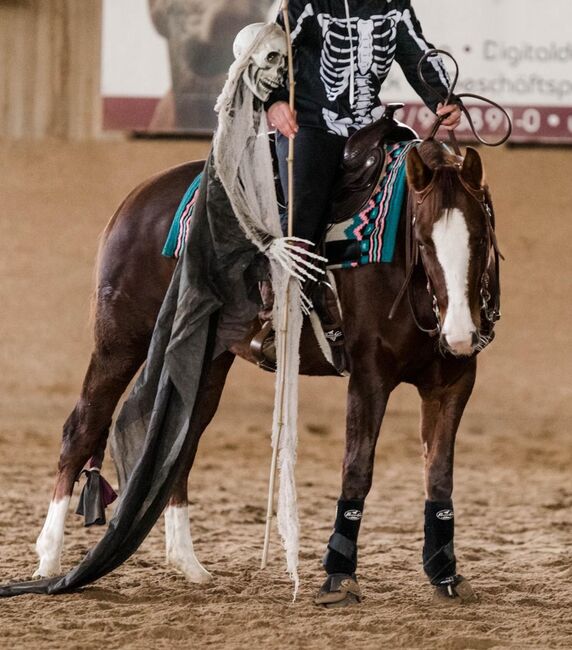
(513, 492)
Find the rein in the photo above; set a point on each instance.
(446, 100)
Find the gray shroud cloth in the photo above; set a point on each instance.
(208, 286)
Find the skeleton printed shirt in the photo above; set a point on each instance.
(343, 51)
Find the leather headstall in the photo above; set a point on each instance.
(490, 315)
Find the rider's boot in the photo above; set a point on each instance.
(326, 306)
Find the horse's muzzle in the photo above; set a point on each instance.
(461, 347)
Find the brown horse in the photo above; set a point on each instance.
(443, 266)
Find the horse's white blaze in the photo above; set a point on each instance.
(179, 545)
(451, 238)
(51, 540)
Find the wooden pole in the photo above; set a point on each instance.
(284, 325)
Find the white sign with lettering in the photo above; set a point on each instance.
(517, 52)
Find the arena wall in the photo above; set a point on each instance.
(50, 71)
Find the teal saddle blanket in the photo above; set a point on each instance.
(366, 238)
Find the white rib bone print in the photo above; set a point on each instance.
(374, 42)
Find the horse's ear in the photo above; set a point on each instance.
(418, 174)
(473, 171)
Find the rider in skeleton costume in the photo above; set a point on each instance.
(343, 51)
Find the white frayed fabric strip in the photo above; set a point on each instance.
(285, 420)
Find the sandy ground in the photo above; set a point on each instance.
(513, 492)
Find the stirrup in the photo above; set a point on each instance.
(263, 347)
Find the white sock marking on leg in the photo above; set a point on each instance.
(179, 545)
(51, 540)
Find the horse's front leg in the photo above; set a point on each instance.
(441, 413)
(367, 400)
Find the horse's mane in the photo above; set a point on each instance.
(438, 157)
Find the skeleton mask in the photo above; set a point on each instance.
(267, 62)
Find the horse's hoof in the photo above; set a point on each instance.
(193, 571)
(339, 590)
(48, 569)
(455, 591)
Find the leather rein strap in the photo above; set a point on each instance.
(451, 97)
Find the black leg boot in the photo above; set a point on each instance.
(263, 345)
(439, 559)
(340, 561)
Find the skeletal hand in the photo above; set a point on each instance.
(453, 113)
(282, 118)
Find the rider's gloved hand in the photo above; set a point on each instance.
(453, 113)
(282, 118)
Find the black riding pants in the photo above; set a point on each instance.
(317, 157)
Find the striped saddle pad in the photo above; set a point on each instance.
(366, 238)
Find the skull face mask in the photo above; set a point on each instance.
(267, 62)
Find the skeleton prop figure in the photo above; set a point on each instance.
(243, 164)
(267, 63)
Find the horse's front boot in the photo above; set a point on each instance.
(439, 559)
(340, 561)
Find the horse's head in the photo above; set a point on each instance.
(453, 232)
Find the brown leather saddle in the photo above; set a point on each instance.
(363, 163)
(359, 175)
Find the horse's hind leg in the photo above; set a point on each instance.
(85, 432)
(441, 413)
(178, 540)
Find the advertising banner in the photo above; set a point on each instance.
(516, 52)
(164, 62)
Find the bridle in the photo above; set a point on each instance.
(489, 296)
(490, 311)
